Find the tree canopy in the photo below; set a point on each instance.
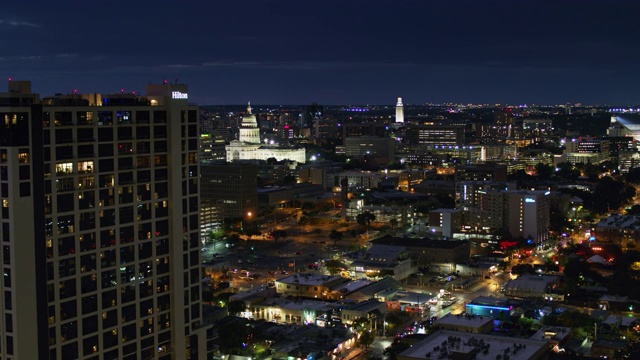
(365, 218)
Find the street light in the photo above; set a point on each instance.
(248, 217)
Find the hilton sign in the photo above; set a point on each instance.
(179, 95)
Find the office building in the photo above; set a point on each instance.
(100, 228)
(528, 214)
(231, 189)
(436, 135)
(481, 172)
(380, 148)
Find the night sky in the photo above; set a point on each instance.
(331, 52)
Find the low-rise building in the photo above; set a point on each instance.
(441, 254)
(617, 303)
(380, 261)
(289, 311)
(382, 290)
(411, 302)
(373, 310)
(447, 344)
(310, 342)
(620, 230)
(607, 348)
(466, 323)
(315, 286)
(530, 286)
(489, 306)
(557, 336)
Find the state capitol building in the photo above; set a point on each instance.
(248, 146)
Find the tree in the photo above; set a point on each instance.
(336, 236)
(232, 335)
(567, 171)
(334, 266)
(544, 171)
(394, 223)
(289, 180)
(234, 239)
(366, 338)
(365, 218)
(278, 234)
(215, 235)
(236, 307)
(633, 176)
(397, 346)
(361, 324)
(611, 194)
(251, 229)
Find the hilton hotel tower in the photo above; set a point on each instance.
(99, 225)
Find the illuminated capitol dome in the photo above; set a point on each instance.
(249, 147)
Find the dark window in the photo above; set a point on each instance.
(67, 288)
(70, 351)
(64, 136)
(193, 130)
(142, 117)
(159, 116)
(65, 202)
(90, 345)
(105, 134)
(125, 133)
(160, 146)
(160, 174)
(105, 165)
(64, 152)
(89, 304)
(25, 189)
(109, 299)
(143, 132)
(85, 135)
(125, 178)
(63, 118)
(144, 176)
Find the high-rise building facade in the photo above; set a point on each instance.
(231, 188)
(100, 228)
(436, 135)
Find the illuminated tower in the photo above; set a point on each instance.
(399, 111)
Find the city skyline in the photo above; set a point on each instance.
(331, 52)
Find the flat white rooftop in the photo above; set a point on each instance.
(443, 344)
